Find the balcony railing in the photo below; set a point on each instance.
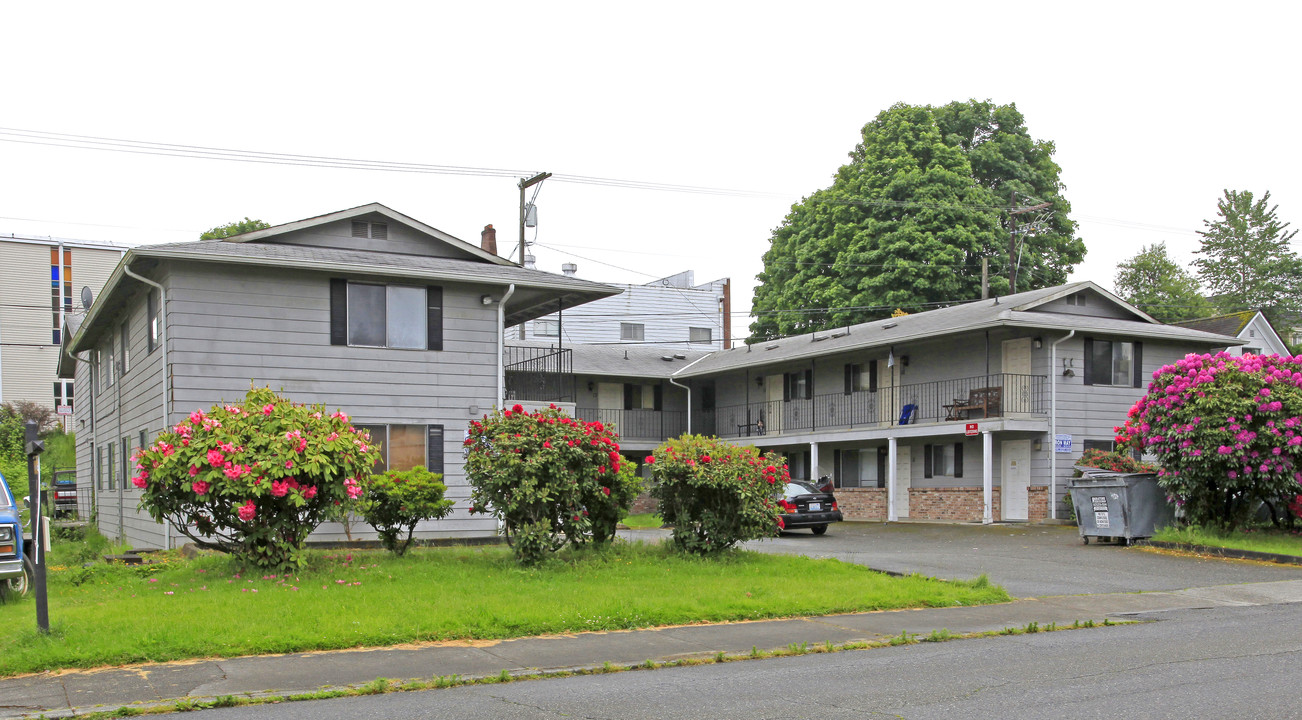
(654, 425)
(971, 398)
(539, 374)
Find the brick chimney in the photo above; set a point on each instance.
(488, 239)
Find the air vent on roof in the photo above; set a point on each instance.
(889, 325)
(839, 334)
(667, 358)
(770, 347)
(679, 356)
(375, 231)
(380, 231)
(359, 229)
(816, 338)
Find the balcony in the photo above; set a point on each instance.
(538, 374)
(971, 398)
(644, 425)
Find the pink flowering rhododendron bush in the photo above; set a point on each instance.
(549, 478)
(255, 479)
(716, 494)
(1227, 431)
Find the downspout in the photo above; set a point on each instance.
(501, 344)
(689, 390)
(1053, 424)
(167, 385)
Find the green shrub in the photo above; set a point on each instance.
(716, 494)
(1115, 461)
(549, 478)
(399, 499)
(255, 479)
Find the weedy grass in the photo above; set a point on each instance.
(643, 521)
(210, 607)
(1267, 540)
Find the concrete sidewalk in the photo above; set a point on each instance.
(70, 693)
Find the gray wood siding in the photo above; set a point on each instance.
(401, 239)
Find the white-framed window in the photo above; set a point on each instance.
(547, 327)
(154, 319)
(386, 316)
(632, 331)
(943, 460)
(1111, 362)
(699, 335)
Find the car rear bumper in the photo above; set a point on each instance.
(807, 519)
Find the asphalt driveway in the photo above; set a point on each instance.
(1027, 560)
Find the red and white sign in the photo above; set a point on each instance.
(63, 410)
(970, 429)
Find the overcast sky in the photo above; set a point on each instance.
(1154, 109)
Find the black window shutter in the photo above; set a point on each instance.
(434, 320)
(849, 379)
(872, 376)
(434, 452)
(786, 387)
(958, 459)
(659, 400)
(1138, 370)
(338, 311)
(926, 461)
(837, 471)
(1089, 361)
(809, 383)
(882, 455)
(806, 460)
(628, 396)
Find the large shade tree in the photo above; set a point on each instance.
(1245, 259)
(906, 223)
(1155, 283)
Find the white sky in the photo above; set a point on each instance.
(1154, 110)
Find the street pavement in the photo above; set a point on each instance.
(1056, 579)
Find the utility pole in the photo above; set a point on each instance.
(525, 184)
(1013, 212)
(985, 278)
(33, 448)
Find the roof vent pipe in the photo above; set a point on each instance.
(569, 269)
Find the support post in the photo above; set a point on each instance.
(987, 477)
(892, 447)
(34, 446)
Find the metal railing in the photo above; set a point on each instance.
(539, 374)
(639, 424)
(971, 398)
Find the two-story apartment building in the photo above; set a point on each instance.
(41, 282)
(368, 310)
(972, 412)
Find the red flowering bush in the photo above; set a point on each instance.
(1227, 431)
(549, 478)
(254, 479)
(716, 494)
(396, 501)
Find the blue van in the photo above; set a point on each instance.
(15, 566)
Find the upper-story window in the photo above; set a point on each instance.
(547, 328)
(154, 319)
(698, 335)
(393, 316)
(372, 230)
(798, 385)
(861, 377)
(632, 331)
(1112, 362)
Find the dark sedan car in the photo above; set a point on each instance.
(806, 506)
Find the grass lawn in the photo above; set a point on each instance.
(1259, 540)
(643, 521)
(206, 607)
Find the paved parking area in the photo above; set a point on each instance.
(1027, 560)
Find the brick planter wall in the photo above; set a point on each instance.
(862, 503)
(643, 504)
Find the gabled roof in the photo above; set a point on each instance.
(1230, 324)
(1021, 310)
(360, 210)
(537, 293)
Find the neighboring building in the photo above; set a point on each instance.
(672, 312)
(368, 310)
(1250, 326)
(41, 280)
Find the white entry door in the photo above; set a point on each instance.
(773, 394)
(903, 481)
(1017, 356)
(610, 396)
(1015, 479)
(1016, 396)
(888, 407)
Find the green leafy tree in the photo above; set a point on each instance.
(255, 479)
(552, 480)
(1246, 262)
(716, 494)
(236, 228)
(1158, 285)
(396, 501)
(906, 223)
